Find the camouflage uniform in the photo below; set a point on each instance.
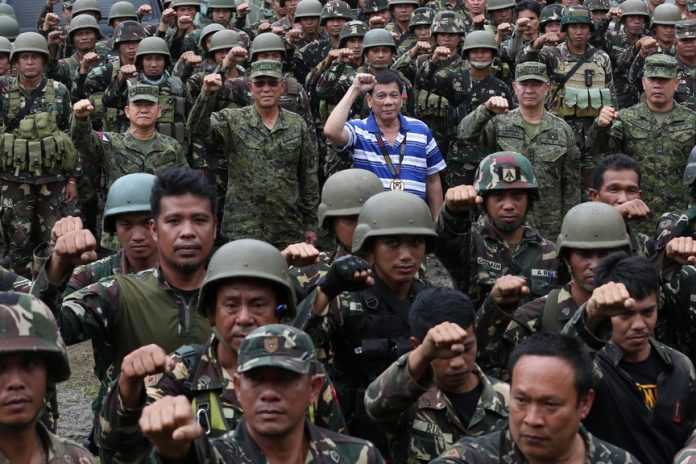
(11, 282)
(253, 160)
(686, 91)
(499, 447)
(419, 418)
(308, 57)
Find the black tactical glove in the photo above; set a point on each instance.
(340, 276)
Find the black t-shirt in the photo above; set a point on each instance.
(644, 375)
(465, 403)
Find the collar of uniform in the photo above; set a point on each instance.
(384, 292)
(123, 262)
(247, 444)
(209, 373)
(373, 128)
(281, 122)
(614, 353)
(134, 144)
(529, 234)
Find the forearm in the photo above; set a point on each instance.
(334, 126)
(433, 191)
(199, 117)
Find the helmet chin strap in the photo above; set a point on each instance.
(576, 280)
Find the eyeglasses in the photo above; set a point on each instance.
(269, 82)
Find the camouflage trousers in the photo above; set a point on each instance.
(28, 213)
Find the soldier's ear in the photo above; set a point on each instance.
(153, 229)
(316, 383)
(593, 194)
(585, 404)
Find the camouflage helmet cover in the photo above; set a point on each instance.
(27, 325)
(309, 9)
(122, 10)
(336, 9)
(592, 225)
(550, 13)
(447, 22)
(128, 194)
(84, 22)
(576, 15)
(375, 6)
(350, 30)
(345, 192)
(29, 42)
(422, 16)
(597, 5)
(9, 27)
(128, 31)
(506, 170)
(690, 170)
(225, 39)
(277, 345)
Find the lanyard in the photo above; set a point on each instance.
(402, 152)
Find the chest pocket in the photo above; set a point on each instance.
(511, 139)
(549, 147)
(682, 132)
(427, 441)
(543, 281)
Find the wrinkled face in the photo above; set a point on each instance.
(450, 41)
(659, 91)
(632, 329)
(142, 113)
(23, 378)
(343, 228)
(310, 25)
(385, 99)
(402, 12)
(128, 49)
(578, 34)
(4, 64)
(665, 33)
(618, 187)
(84, 40)
(266, 91)
(133, 230)
(454, 375)
(634, 24)
(185, 231)
(30, 65)
(530, 93)
(507, 206)
(397, 258)
(243, 305)
(154, 65)
(545, 412)
(583, 262)
(502, 16)
(221, 16)
(475, 7)
(422, 33)
(686, 48)
(333, 27)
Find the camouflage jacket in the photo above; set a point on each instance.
(119, 425)
(686, 91)
(121, 154)
(622, 51)
(661, 151)
(11, 282)
(58, 450)
(286, 186)
(67, 71)
(308, 57)
(498, 447)
(184, 71)
(232, 93)
(419, 418)
(652, 424)
(95, 271)
(635, 72)
(324, 446)
(552, 151)
(403, 39)
(672, 225)
(94, 83)
(476, 257)
(676, 324)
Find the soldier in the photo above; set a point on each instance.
(33, 358)
(601, 17)
(431, 397)
(500, 12)
(39, 159)
(376, 14)
(5, 51)
(49, 22)
(190, 62)
(545, 139)
(528, 28)
(419, 25)
(246, 286)
(122, 11)
(550, 395)
(276, 369)
(686, 63)
(476, 254)
(218, 12)
(652, 380)
(253, 137)
(308, 15)
(181, 14)
(401, 11)
(658, 133)
(394, 231)
(140, 149)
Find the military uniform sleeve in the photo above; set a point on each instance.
(328, 413)
(406, 65)
(115, 95)
(491, 324)
(308, 180)
(475, 127)
(576, 327)
(454, 243)
(86, 140)
(572, 183)
(606, 139)
(59, 71)
(332, 84)
(205, 124)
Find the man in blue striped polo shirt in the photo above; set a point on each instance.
(400, 150)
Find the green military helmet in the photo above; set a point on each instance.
(480, 39)
(122, 10)
(597, 5)
(84, 22)
(375, 6)
(403, 2)
(247, 259)
(422, 16)
(29, 42)
(494, 5)
(5, 45)
(27, 325)
(350, 30)
(690, 170)
(128, 194)
(277, 345)
(592, 225)
(378, 38)
(152, 46)
(85, 6)
(634, 8)
(9, 27)
(345, 192)
(551, 13)
(309, 9)
(336, 9)
(393, 213)
(177, 3)
(266, 42)
(7, 10)
(211, 28)
(506, 170)
(447, 22)
(221, 5)
(576, 15)
(226, 39)
(667, 14)
(128, 31)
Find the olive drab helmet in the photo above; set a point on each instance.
(177, 3)
(506, 170)
(29, 42)
(378, 38)
(592, 225)
(480, 39)
(27, 325)
(221, 5)
(634, 8)
(122, 10)
(84, 22)
(211, 28)
(128, 194)
(5, 45)
(690, 169)
(350, 30)
(336, 9)
(447, 22)
(551, 13)
(403, 2)
(7, 10)
(422, 16)
(667, 14)
(9, 27)
(345, 192)
(246, 259)
(266, 42)
(597, 5)
(85, 6)
(494, 5)
(128, 31)
(393, 213)
(309, 9)
(225, 39)
(576, 15)
(152, 46)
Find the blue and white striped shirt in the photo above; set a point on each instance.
(421, 158)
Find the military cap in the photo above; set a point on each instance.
(660, 65)
(277, 345)
(686, 29)
(268, 68)
(531, 70)
(138, 92)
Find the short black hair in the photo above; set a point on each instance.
(436, 305)
(180, 181)
(637, 273)
(615, 162)
(389, 76)
(530, 5)
(556, 345)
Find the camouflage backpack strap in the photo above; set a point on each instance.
(292, 86)
(552, 310)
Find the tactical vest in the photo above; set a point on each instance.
(173, 105)
(109, 116)
(431, 105)
(37, 145)
(584, 93)
(288, 101)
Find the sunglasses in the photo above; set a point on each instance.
(269, 82)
